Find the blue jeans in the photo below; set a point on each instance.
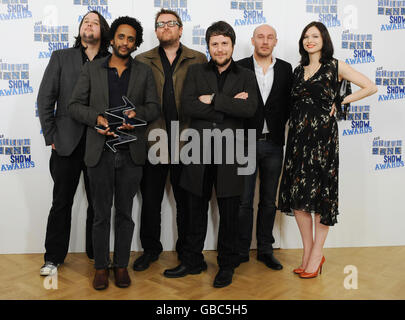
(269, 159)
(114, 177)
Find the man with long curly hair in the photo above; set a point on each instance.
(67, 136)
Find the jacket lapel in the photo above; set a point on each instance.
(77, 63)
(185, 55)
(276, 82)
(211, 78)
(230, 81)
(155, 59)
(103, 72)
(132, 78)
(259, 94)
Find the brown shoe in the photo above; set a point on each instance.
(122, 279)
(100, 281)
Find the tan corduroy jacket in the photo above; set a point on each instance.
(187, 58)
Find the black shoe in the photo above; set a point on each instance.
(144, 261)
(223, 278)
(182, 270)
(270, 261)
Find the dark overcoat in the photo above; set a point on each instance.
(225, 113)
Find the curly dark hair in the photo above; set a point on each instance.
(104, 32)
(327, 47)
(131, 22)
(220, 28)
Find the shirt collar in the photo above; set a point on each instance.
(107, 61)
(178, 52)
(257, 66)
(99, 53)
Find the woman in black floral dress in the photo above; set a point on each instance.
(310, 174)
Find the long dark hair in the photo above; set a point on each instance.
(104, 33)
(327, 47)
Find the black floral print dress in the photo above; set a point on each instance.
(310, 173)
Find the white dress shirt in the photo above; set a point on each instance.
(265, 82)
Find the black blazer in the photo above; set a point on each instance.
(90, 99)
(276, 110)
(226, 113)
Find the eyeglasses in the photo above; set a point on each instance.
(170, 24)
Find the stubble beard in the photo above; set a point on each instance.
(263, 55)
(223, 63)
(168, 42)
(119, 55)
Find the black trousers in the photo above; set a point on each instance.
(152, 188)
(115, 179)
(228, 256)
(65, 172)
(269, 160)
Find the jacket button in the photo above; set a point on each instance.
(214, 124)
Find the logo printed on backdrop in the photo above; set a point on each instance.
(199, 40)
(252, 12)
(55, 37)
(327, 11)
(179, 6)
(389, 154)
(358, 121)
(94, 5)
(14, 10)
(17, 152)
(17, 78)
(361, 45)
(394, 81)
(395, 10)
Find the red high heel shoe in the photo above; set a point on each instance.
(308, 275)
(299, 270)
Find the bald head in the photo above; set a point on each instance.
(264, 40)
(265, 28)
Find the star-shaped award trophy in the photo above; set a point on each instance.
(119, 114)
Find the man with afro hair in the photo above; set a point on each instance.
(115, 175)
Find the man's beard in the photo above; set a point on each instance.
(167, 42)
(122, 56)
(223, 63)
(89, 39)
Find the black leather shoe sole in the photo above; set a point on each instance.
(144, 264)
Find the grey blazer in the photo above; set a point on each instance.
(90, 99)
(56, 87)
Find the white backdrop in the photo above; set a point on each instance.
(366, 33)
